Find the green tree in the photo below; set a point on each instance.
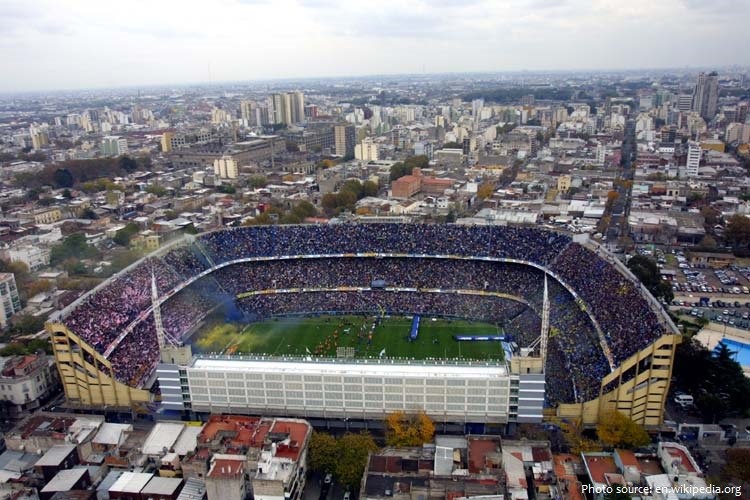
(34, 287)
(144, 162)
(290, 218)
(124, 235)
(63, 178)
(710, 215)
(258, 181)
(227, 189)
(708, 242)
(323, 452)
(647, 272)
(156, 190)
(21, 273)
(88, 213)
(452, 216)
(615, 429)
(74, 267)
(737, 233)
(28, 347)
(419, 161)
(716, 381)
(25, 324)
(123, 259)
(369, 188)
(353, 186)
(398, 170)
(328, 201)
(354, 450)
(304, 209)
(72, 247)
(346, 199)
(128, 164)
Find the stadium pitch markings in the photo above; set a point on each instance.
(360, 336)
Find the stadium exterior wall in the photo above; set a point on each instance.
(638, 387)
(364, 389)
(86, 375)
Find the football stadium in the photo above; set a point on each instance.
(489, 324)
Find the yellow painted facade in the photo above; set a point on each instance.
(638, 387)
(87, 377)
(47, 216)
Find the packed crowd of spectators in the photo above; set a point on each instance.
(482, 308)
(432, 239)
(182, 312)
(625, 317)
(448, 274)
(104, 314)
(134, 360)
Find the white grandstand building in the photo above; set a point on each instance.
(363, 389)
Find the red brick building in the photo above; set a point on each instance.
(409, 185)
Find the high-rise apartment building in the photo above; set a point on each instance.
(226, 167)
(287, 108)
(693, 159)
(10, 302)
(601, 154)
(476, 108)
(706, 95)
(366, 151)
(297, 107)
(166, 141)
(39, 136)
(343, 139)
(684, 102)
(113, 145)
(247, 110)
(219, 115)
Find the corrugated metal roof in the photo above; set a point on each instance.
(55, 455)
(163, 435)
(131, 482)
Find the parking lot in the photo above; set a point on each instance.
(733, 280)
(727, 312)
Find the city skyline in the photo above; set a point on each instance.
(87, 45)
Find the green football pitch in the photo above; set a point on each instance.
(331, 335)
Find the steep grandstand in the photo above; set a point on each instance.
(602, 322)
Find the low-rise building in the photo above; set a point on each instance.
(226, 480)
(409, 185)
(26, 380)
(48, 215)
(57, 458)
(66, 481)
(35, 257)
(435, 472)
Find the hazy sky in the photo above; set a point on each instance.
(62, 44)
